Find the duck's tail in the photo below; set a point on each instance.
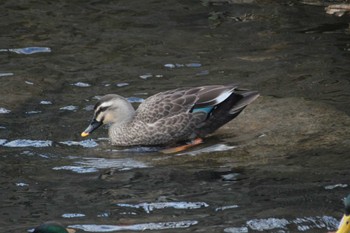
(227, 110)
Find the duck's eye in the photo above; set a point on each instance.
(102, 109)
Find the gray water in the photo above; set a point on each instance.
(281, 166)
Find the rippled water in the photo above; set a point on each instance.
(281, 166)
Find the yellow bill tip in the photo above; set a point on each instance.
(84, 134)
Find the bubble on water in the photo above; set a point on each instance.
(45, 102)
(73, 215)
(135, 227)
(148, 207)
(28, 143)
(81, 84)
(85, 143)
(135, 99)
(122, 84)
(236, 230)
(69, 108)
(28, 50)
(4, 110)
(6, 74)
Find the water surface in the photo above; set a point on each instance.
(281, 166)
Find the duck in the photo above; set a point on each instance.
(52, 227)
(344, 225)
(169, 117)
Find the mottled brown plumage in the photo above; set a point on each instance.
(171, 116)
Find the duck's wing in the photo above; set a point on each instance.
(183, 101)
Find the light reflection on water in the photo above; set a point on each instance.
(28, 50)
(90, 165)
(282, 225)
(149, 207)
(89, 143)
(213, 148)
(135, 227)
(28, 143)
(86, 49)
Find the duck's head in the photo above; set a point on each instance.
(344, 226)
(52, 227)
(110, 109)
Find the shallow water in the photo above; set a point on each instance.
(281, 166)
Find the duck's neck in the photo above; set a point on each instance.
(119, 132)
(126, 117)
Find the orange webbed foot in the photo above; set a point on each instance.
(177, 149)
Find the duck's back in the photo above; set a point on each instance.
(177, 101)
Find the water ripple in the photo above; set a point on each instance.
(28, 50)
(120, 164)
(90, 165)
(213, 148)
(122, 84)
(69, 108)
(178, 65)
(302, 224)
(267, 224)
(76, 169)
(6, 74)
(45, 102)
(329, 187)
(73, 215)
(226, 207)
(81, 84)
(135, 100)
(4, 111)
(85, 143)
(135, 227)
(236, 230)
(148, 207)
(28, 143)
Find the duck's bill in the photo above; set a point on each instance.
(93, 126)
(344, 226)
(70, 230)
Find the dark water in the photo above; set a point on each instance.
(282, 166)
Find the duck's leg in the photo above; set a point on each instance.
(172, 150)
